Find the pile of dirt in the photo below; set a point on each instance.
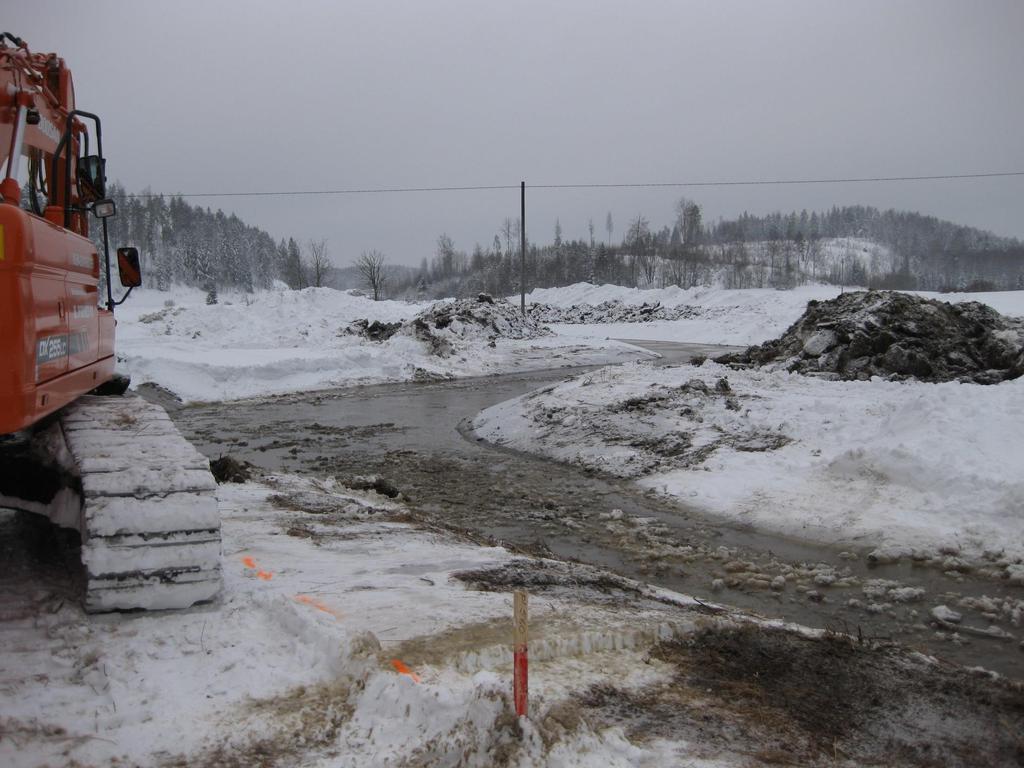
(448, 321)
(609, 312)
(484, 317)
(228, 469)
(374, 331)
(543, 575)
(375, 483)
(896, 336)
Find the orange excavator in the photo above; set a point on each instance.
(113, 468)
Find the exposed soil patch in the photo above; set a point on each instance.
(666, 427)
(375, 331)
(374, 483)
(227, 469)
(787, 699)
(442, 647)
(539, 576)
(899, 336)
(325, 507)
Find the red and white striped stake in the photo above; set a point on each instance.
(520, 677)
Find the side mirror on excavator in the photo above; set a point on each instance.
(128, 267)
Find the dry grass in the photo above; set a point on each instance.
(302, 721)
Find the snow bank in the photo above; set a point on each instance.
(714, 316)
(906, 465)
(740, 317)
(285, 341)
(673, 296)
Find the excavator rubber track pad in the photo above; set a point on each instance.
(151, 536)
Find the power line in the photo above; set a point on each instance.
(376, 191)
(628, 185)
(764, 182)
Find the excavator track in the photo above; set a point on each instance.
(150, 523)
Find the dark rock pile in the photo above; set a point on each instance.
(375, 331)
(609, 312)
(896, 336)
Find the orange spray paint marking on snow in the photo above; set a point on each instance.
(401, 669)
(264, 575)
(314, 603)
(248, 562)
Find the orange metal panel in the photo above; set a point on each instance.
(80, 289)
(54, 344)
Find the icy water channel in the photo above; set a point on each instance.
(415, 436)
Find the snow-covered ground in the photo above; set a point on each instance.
(721, 316)
(916, 466)
(906, 467)
(344, 637)
(739, 317)
(274, 342)
(296, 664)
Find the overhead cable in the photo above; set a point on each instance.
(622, 185)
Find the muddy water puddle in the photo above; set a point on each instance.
(415, 437)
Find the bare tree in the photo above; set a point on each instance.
(371, 266)
(318, 261)
(688, 219)
(641, 259)
(510, 232)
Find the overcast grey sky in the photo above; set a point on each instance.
(236, 96)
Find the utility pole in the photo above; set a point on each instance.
(522, 247)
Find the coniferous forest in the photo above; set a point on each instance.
(853, 245)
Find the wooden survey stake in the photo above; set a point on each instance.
(520, 677)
